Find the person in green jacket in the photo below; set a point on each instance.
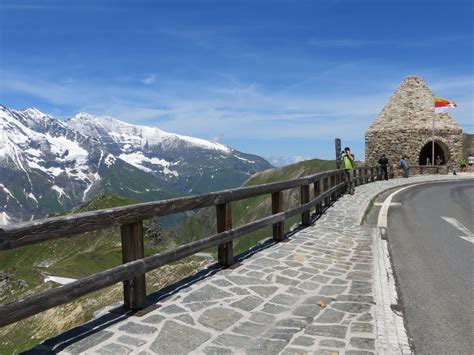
(348, 163)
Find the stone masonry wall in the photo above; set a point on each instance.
(404, 127)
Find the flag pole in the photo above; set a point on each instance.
(432, 139)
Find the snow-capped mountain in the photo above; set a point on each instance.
(47, 165)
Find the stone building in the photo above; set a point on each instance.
(404, 127)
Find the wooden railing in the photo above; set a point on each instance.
(328, 186)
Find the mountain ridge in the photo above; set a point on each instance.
(48, 165)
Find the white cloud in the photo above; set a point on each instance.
(150, 79)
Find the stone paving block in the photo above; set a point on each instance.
(332, 343)
(206, 293)
(197, 306)
(136, 328)
(299, 322)
(265, 262)
(248, 303)
(321, 279)
(359, 352)
(233, 341)
(333, 331)
(246, 281)
(359, 275)
(351, 307)
(221, 283)
(89, 342)
(363, 343)
(360, 287)
(284, 299)
(296, 291)
(185, 319)
(281, 333)
(306, 311)
(176, 339)
(263, 318)
(266, 346)
(153, 319)
(366, 317)
(256, 274)
(219, 318)
(314, 300)
(330, 316)
(132, 341)
(172, 309)
(278, 279)
(113, 349)
(359, 327)
(214, 350)
(273, 308)
(239, 291)
(250, 329)
(294, 351)
(308, 285)
(355, 298)
(264, 291)
(332, 290)
(303, 341)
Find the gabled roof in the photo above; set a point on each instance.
(411, 107)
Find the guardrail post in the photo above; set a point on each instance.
(277, 207)
(317, 191)
(134, 290)
(304, 197)
(225, 251)
(333, 183)
(325, 188)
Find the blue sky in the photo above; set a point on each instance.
(276, 78)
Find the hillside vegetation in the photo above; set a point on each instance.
(203, 224)
(22, 272)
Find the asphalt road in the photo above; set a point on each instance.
(434, 266)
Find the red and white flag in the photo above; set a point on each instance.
(441, 105)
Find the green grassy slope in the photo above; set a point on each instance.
(203, 224)
(23, 270)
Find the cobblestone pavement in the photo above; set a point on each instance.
(312, 295)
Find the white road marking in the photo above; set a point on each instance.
(458, 225)
(392, 204)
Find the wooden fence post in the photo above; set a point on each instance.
(317, 191)
(277, 207)
(325, 188)
(304, 198)
(225, 251)
(134, 290)
(333, 183)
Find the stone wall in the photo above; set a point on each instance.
(404, 127)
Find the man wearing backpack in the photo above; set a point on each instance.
(348, 163)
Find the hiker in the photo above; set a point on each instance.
(348, 163)
(404, 166)
(383, 161)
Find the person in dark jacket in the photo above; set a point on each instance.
(383, 161)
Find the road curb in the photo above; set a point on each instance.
(392, 336)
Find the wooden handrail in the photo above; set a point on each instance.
(132, 271)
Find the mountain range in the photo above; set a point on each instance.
(48, 165)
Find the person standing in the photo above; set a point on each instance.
(348, 162)
(405, 167)
(383, 161)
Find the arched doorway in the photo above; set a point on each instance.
(440, 151)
